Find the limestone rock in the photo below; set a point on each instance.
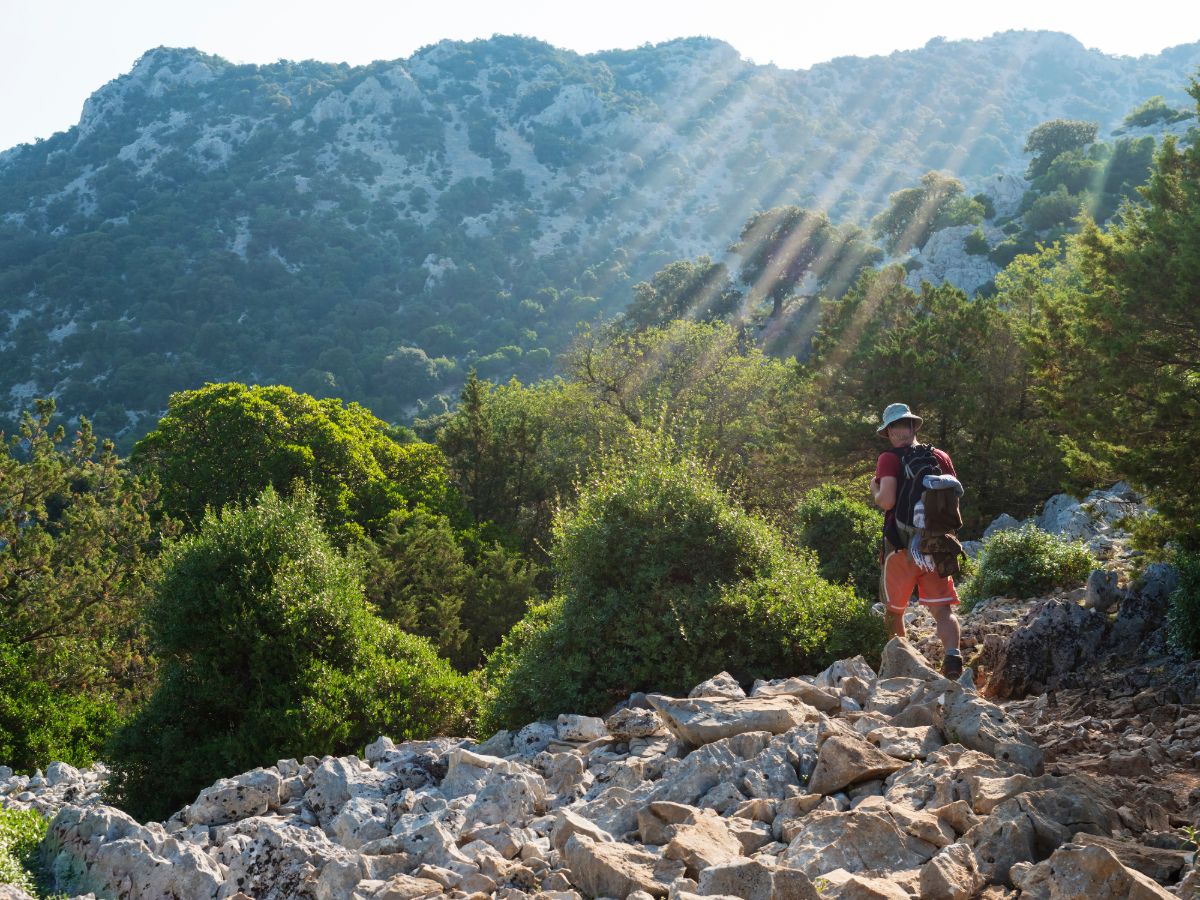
(975, 723)
(838, 671)
(1163, 865)
(700, 721)
(906, 743)
(1092, 872)
(822, 698)
(580, 728)
(702, 842)
(844, 760)
(1102, 593)
(567, 823)
(753, 880)
(534, 738)
(854, 841)
(952, 874)
(901, 659)
(616, 870)
(634, 722)
(1053, 639)
(230, 799)
(336, 780)
(720, 685)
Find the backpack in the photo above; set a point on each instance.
(928, 516)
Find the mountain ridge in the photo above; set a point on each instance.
(374, 231)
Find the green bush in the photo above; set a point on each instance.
(976, 243)
(270, 650)
(662, 581)
(1026, 562)
(21, 830)
(1183, 615)
(845, 535)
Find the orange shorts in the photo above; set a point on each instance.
(901, 575)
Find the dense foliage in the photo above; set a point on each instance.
(1120, 361)
(1027, 562)
(74, 537)
(270, 650)
(1183, 614)
(21, 831)
(663, 580)
(224, 443)
(844, 532)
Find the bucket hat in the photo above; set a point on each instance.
(894, 413)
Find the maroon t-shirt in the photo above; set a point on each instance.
(888, 464)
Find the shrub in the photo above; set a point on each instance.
(663, 581)
(21, 830)
(976, 243)
(1026, 562)
(270, 650)
(845, 535)
(1183, 614)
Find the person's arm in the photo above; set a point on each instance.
(883, 491)
(886, 480)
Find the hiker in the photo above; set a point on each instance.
(905, 563)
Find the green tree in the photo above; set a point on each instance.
(270, 650)
(788, 249)
(960, 362)
(224, 443)
(662, 581)
(1055, 137)
(1121, 364)
(698, 291)
(75, 538)
(915, 213)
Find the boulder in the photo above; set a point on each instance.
(838, 671)
(230, 799)
(855, 841)
(336, 780)
(754, 880)
(580, 728)
(534, 738)
(702, 720)
(901, 659)
(1163, 865)
(1055, 638)
(970, 720)
(720, 685)
(1091, 872)
(633, 722)
(1101, 592)
(822, 698)
(567, 823)
(845, 760)
(906, 743)
(360, 821)
(702, 841)
(508, 797)
(952, 874)
(1002, 522)
(605, 869)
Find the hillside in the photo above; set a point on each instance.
(372, 232)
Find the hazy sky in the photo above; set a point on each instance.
(54, 53)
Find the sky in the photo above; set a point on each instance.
(55, 53)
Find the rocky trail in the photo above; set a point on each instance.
(1063, 764)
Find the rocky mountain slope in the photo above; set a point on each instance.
(1068, 772)
(371, 232)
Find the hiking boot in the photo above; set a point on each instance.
(952, 667)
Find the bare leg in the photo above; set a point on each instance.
(949, 631)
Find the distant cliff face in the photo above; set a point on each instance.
(373, 232)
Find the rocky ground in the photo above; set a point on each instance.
(1069, 772)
